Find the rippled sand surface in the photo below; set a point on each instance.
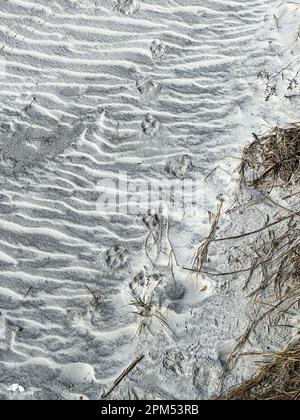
(96, 93)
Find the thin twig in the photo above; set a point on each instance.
(123, 376)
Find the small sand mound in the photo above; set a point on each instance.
(272, 159)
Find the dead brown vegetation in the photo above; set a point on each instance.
(272, 159)
(278, 379)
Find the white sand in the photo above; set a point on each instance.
(159, 90)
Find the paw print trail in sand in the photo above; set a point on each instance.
(99, 89)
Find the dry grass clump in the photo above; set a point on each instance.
(287, 278)
(272, 159)
(278, 299)
(146, 308)
(279, 261)
(278, 379)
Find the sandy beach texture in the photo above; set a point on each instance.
(99, 96)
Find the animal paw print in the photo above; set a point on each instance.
(117, 257)
(150, 125)
(158, 49)
(148, 87)
(173, 362)
(127, 7)
(180, 167)
(143, 280)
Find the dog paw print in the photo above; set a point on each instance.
(180, 167)
(174, 361)
(127, 7)
(150, 125)
(158, 49)
(117, 257)
(144, 280)
(148, 87)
